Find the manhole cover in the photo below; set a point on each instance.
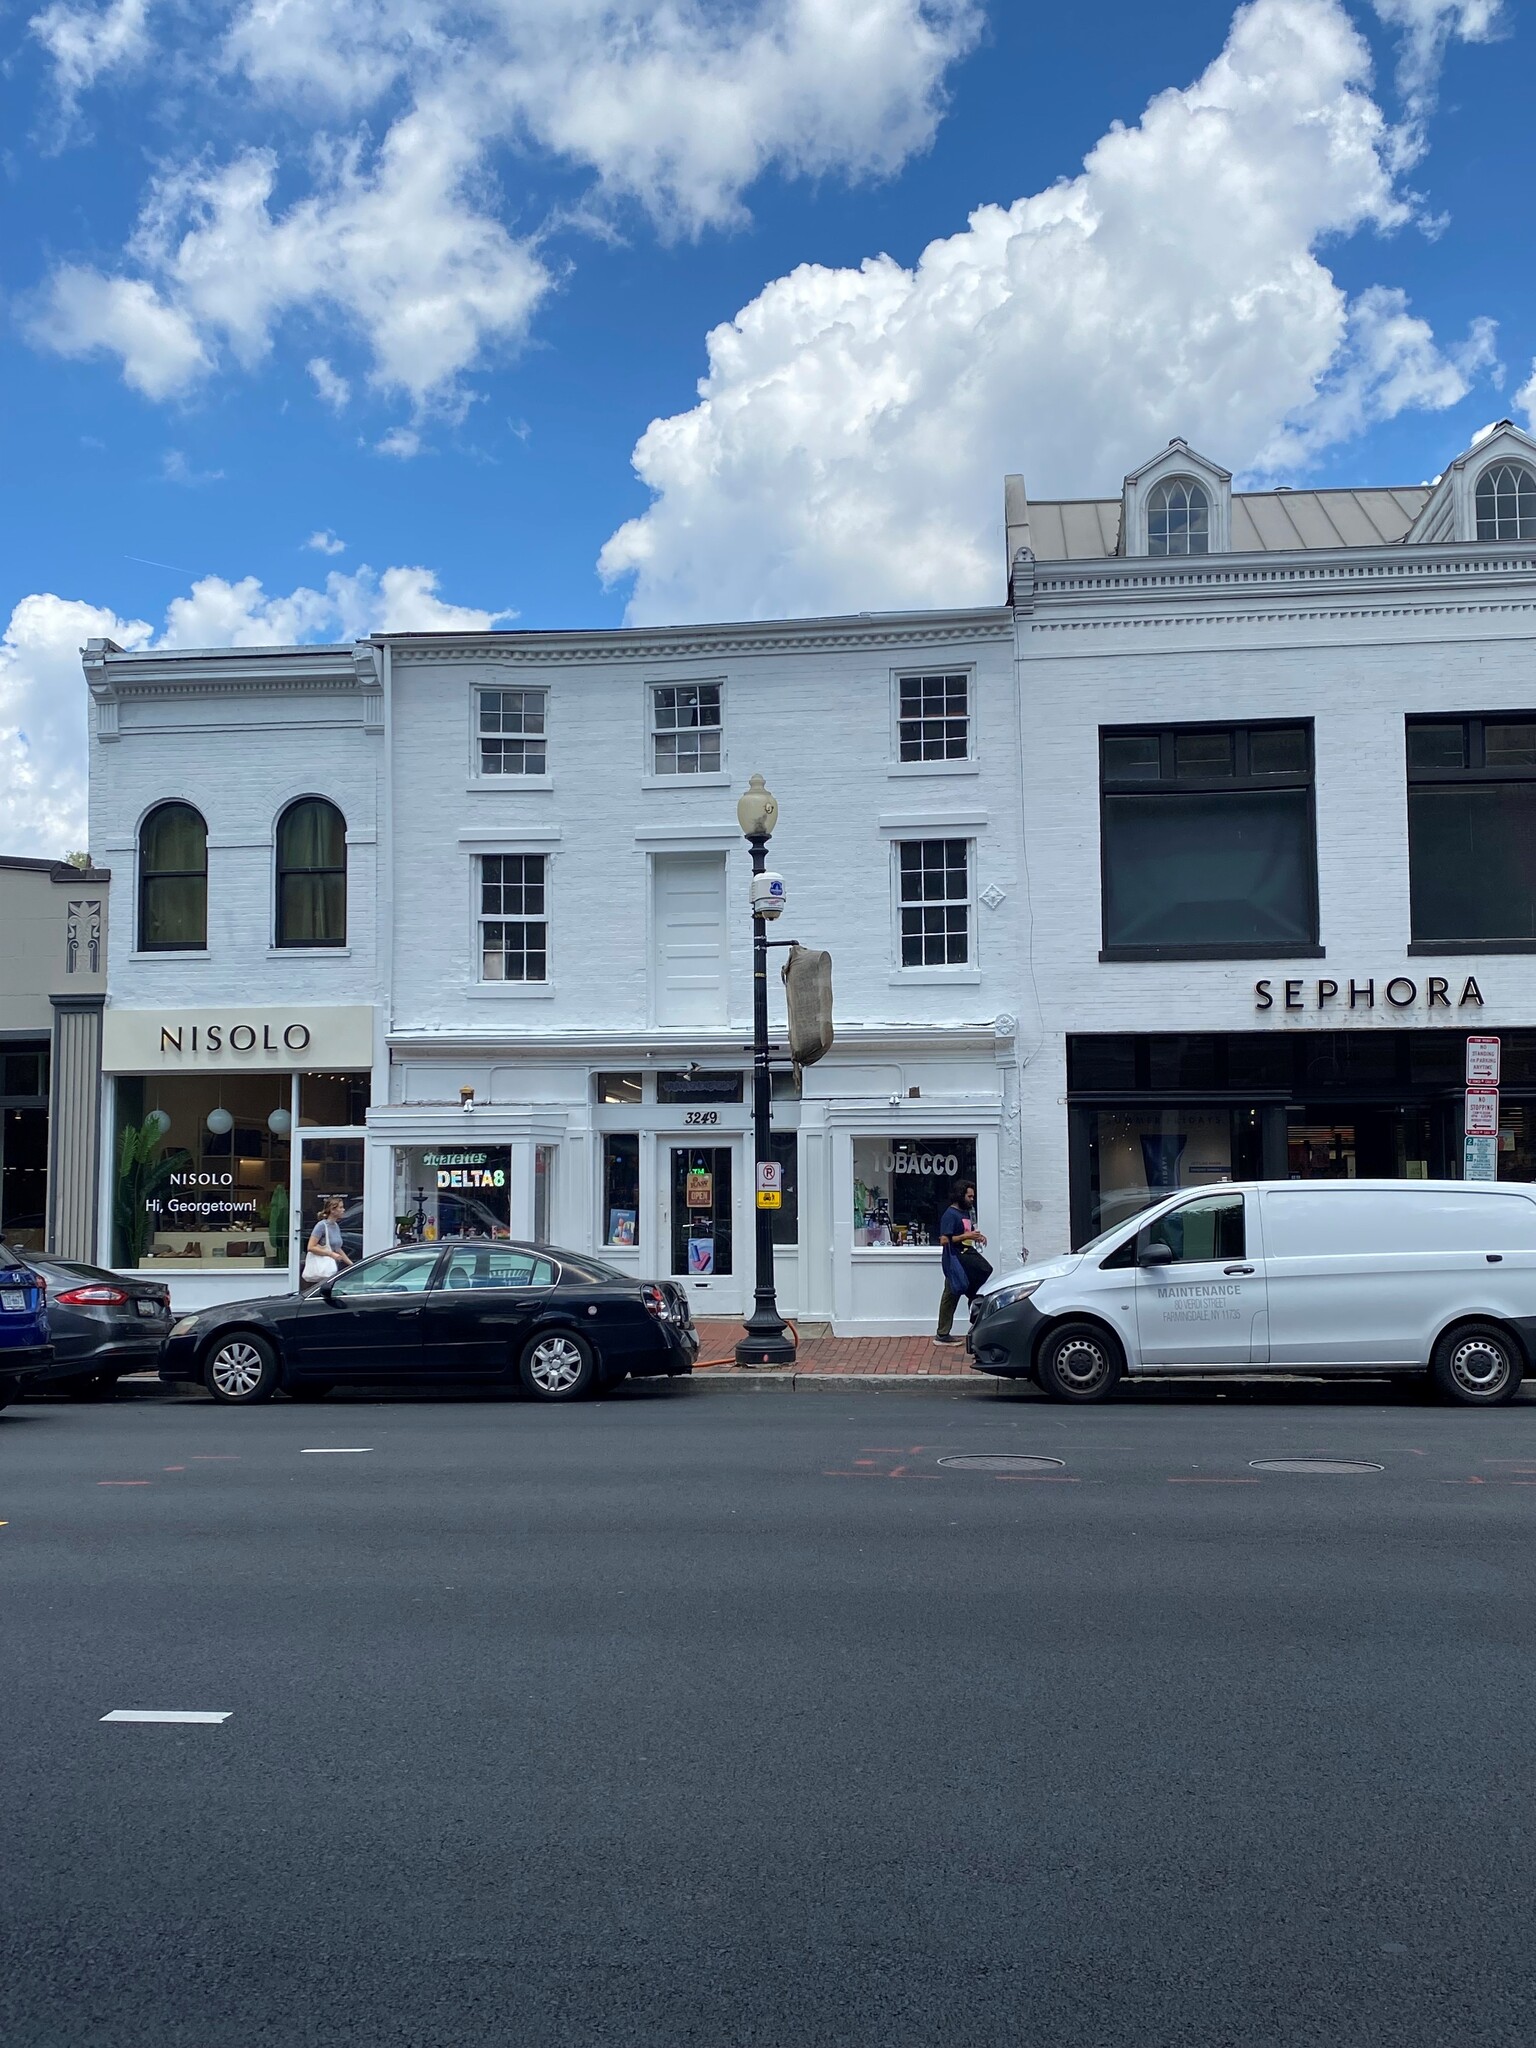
(1313, 1465)
(1001, 1461)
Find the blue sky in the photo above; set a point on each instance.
(417, 279)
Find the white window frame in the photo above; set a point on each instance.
(950, 971)
(481, 777)
(481, 917)
(687, 778)
(965, 764)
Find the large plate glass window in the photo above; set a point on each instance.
(702, 1205)
(452, 1191)
(934, 716)
(24, 1146)
(1472, 832)
(902, 1186)
(1208, 842)
(514, 931)
(200, 1172)
(312, 874)
(621, 1188)
(173, 880)
(1139, 1154)
(510, 732)
(685, 728)
(934, 886)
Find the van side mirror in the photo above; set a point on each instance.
(1154, 1253)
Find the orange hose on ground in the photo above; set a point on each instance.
(706, 1364)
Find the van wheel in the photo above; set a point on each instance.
(1078, 1362)
(1478, 1364)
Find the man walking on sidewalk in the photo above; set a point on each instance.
(957, 1236)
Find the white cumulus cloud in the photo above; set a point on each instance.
(1426, 27)
(42, 719)
(43, 693)
(852, 430)
(403, 242)
(86, 43)
(324, 542)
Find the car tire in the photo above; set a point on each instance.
(240, 1368)
(1478, 1364)
(1078, 1362)
(309, 1390)
(558, 1366)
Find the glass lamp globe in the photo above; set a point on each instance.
(280, 1122)
(160, 1121)
(758, 810)
(220, 1121)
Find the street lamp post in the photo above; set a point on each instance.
(766, 1339)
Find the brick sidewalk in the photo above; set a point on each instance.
(845, 1354)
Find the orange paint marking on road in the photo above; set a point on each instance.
(173, 1468)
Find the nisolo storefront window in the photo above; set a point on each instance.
(201, 1171)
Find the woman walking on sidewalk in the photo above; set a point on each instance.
(966, 1272)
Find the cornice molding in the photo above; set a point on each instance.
(708, 643)
(1246, 588)
(853, 1042)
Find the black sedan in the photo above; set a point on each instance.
(102, 1324)
(468, 1309)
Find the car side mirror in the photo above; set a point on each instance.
(324, 1289)
(1154, 1253)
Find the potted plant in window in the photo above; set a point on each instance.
(141, 1178)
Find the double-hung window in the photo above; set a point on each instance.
(509, 732)
(1208, 842)
(933, 878)
(1472, 832)
(933, 716)
(514, 930)
(685, 729)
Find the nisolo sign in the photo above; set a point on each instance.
(298, 1035)
(238, 1037)
(1401, 992)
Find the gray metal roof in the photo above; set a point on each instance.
(1088, 529)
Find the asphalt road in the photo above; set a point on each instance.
(740, 1719)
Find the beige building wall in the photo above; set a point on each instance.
(53, 956)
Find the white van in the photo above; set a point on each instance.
(1326, 1276)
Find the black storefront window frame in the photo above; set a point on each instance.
(1241, 781)
(1473, 773)
(1118, 1071)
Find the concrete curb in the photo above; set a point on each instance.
(747, 1379)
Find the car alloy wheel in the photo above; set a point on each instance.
(241, 1368)
(557, 1367)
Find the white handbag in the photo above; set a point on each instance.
(318, 1266)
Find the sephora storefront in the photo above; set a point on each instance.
(1151, 1113)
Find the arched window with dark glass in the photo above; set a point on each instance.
(173, 880)
(312, 874)
(1506, 502)
(1179, 518)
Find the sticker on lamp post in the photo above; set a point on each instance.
(770, 1184)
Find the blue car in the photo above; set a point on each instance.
(25, 1351)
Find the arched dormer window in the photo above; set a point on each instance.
(173, 880)
(312, 874)
(1506, 502)
(1178, 518)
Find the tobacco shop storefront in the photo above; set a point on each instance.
(1149, 1113)
(225, 1131)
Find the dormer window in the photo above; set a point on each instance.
(1506, 502)
(1178, 518)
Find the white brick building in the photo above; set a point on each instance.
(1126, 883)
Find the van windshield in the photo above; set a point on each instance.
(1106, 1236)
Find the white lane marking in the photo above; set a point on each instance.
(336, 1451)
(158, 1714)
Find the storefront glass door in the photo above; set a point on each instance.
(327, 1167)
(701, 1225)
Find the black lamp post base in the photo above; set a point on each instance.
(765, 1340)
